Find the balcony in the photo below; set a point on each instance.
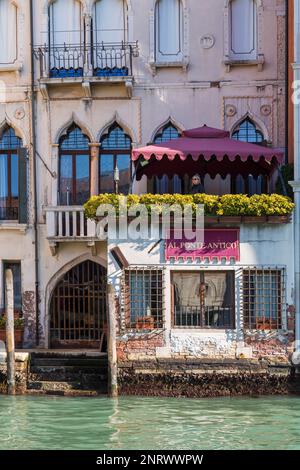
(77, 63)
(69, 224)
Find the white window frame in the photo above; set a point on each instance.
(229, 59)
(16, 64)
(184, 56)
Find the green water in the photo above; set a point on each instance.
(149, 423)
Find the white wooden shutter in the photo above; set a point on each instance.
(8, 32)
(109, 21)
(169, 30)
(243, 19)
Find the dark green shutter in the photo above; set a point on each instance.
(23, 191)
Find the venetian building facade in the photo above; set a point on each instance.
(105, 76)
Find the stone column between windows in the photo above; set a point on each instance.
(88, 72)
(95, 149)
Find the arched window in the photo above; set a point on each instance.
(168, 132)
(169, 31)
(115, 161)
(165, 185)
(66, 37)
(74, 167)
(246, 131)
(10, 145)
(8, 32)
(243, 29)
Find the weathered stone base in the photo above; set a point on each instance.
(21, 373)
(209, 378)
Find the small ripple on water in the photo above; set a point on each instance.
(149, 423)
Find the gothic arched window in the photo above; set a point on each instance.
(10, 146)
(74, 167)
(115, 161)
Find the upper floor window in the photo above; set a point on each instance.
(243, 29)
(109, 21)
(165, 184)
(8, 32)
(66, 35)
(74, 167)
(115, 161)
(10, 145)
(246, 131)
(169, 31)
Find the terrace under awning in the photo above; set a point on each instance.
(206, 151)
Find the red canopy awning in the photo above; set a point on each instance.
(206, 150)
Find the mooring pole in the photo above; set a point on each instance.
(10, 338)
(112, 344)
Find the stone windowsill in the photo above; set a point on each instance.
(13, 225)
(16, 67)
(176, 64)
(231, 62)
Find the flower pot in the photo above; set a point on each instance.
(18, 337)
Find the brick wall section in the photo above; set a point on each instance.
(138, 347)
(280, 347)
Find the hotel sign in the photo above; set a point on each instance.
(217, 244)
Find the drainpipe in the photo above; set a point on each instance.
(296, 185)
(287, 91)
(35, 199)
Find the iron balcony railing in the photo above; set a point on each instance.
(78, 60)
(205, 317)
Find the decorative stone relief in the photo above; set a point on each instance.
(265, 110)
(207, 41)
(230, 110)
(19, 113)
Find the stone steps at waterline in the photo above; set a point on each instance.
(67, 374)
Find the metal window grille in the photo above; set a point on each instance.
(116, 139)
(263, 298)
(143, 298)
(247, 132)
(74, 140)
(168, 132)
(208, 313)
(9, 140)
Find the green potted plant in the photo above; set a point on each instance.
(19, 330)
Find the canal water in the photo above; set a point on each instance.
(149, 423)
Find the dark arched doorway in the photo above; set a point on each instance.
(78, 317)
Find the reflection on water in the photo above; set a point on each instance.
(149, 423)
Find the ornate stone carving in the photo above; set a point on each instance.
(230, 110)
(207, 41)
(20, 113)
(265, 110)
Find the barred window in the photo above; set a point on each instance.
(263, 297)
(143, 298)
(203, 299)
